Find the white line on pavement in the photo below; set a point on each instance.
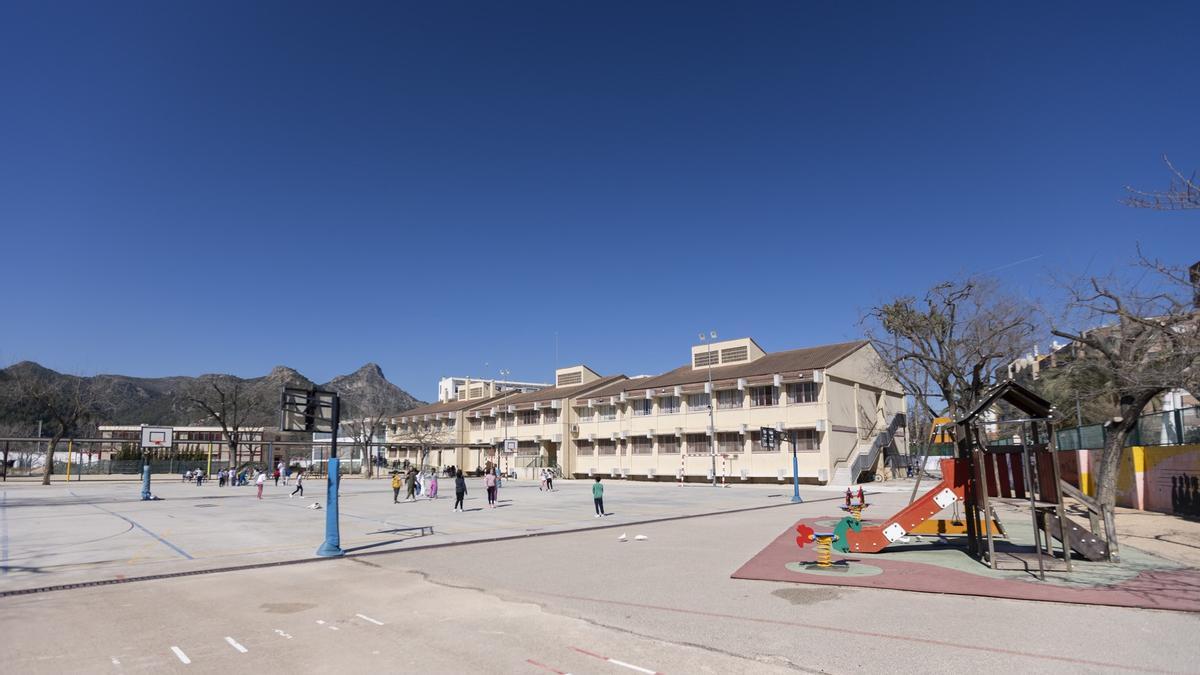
(631, 666)
(364, 617)
(182, 657)
(320, 622)
(616, 662)
(234, 643)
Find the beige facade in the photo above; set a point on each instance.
(834, 403)
(437, 429)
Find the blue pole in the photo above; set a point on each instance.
(146, 482)
(333, 539)
(795, 476)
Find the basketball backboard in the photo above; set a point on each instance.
(157, 437)
(308, 410)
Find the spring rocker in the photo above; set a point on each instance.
(855, 509)
(825, 543)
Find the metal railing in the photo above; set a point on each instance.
(1169, 427)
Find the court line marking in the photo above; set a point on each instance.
(615, 662)
(545, 667)
(182, 657)
(364, 617)
(234, 643)
(139, 526)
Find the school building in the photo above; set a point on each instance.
(835, 404)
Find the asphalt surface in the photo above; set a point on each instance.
(573, 603)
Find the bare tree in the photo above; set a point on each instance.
(365, 420)
(223, 399)
(424, 436)
(1182, 193)
(66, 403)
(947, 348)
(1142, 336)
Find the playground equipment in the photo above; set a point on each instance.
(982, 474)
(825, 544)
(855, 509)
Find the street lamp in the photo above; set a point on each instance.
(504, 412)
(712, 425)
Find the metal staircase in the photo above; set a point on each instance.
(850, 470)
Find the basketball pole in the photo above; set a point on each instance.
(146, 475)
(333, 540)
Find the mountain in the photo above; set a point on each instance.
(367, 388)
(165, 400)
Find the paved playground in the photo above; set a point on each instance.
(95, 531)
(577, 601)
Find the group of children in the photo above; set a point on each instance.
(415, 483)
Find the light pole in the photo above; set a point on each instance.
(795, 472)
(712, 425)
(503, 441)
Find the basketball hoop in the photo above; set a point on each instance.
(157, 437)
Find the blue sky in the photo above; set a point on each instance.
(192, 187)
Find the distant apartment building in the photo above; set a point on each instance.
(457, 388)
(834, 404)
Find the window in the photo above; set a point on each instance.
(608, 412)
(806, 440)
(729, 398)
(803, 392)
(668, 405)
(642, 407)
(476, 392)
(476, 425)
(528, 417)
(728, 444)
(489, 423)
(668, 445)
(698, 444)
(697, 402)
(641, 446)
(551, 416)
(586, 448)
(450, 423)
(705, 358)
(586, 414)
(607, 447)
(570, 378)
(763, 396)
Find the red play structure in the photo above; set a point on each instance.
(1023, 473)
